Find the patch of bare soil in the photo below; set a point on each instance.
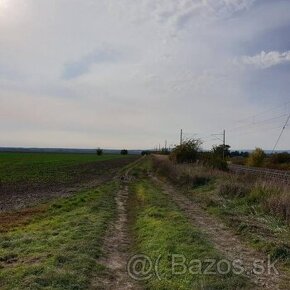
(116, 247)
(19, 218)
(85, 176)
(225, 241)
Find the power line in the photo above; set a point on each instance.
(281, 133)
(257, 123)
(265, 111)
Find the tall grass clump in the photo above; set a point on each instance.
(272, 198)
(233, 188)
(279, 205)
(182, 174)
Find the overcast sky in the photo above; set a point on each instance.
(130, 74)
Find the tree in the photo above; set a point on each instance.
(124, 152)
(256, 158)
(214, 158)
(187, 151)
(221, 150)
(99, 151)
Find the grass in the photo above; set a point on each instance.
(255, 209)
(160, 228)
(58, 248)
(45, 167)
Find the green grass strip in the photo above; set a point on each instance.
(59, 249)
(161, 229)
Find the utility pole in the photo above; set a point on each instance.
(181, 141)
(165, 145)
(223, 140)
(224, 143)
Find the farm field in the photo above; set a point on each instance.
(26, 178)
(45, 167)
(94, 238)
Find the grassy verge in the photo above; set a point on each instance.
(160, 228)
(247, 216)
(58, 248)
(254, 209)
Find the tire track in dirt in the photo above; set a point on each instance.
(224, 240)
(116, 247)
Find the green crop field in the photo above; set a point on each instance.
(30, 178)
(44, 167)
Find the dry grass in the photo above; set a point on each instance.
(279, 205)
(190, 175)
(273, 197)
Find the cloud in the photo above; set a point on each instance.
(266, 60)
(83, 65)
(132, 73)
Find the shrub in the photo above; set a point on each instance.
(99, 151)
(256, 158)
(186, 152)
(214, 160)
(165, 168)
(280, 158)
(124, 152)
(180, 174)
(221, 150)
(238, 160)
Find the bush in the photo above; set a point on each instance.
(214, 160)
(221, 150)
(124, 152)
(256, 158)
(280, 158)
(238, 160)
(187, 152)
(165, 168)
(180, 174)
(99, 151)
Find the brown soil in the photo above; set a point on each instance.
(19, 218)
(224, 240)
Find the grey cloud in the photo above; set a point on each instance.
(83, 65)
(165, 65)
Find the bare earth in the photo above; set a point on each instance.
(116, 247)
(224, 240)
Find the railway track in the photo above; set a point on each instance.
(278, 175)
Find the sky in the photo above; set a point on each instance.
(130, 74)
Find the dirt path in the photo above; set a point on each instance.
(116, 247)
(224, 240)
